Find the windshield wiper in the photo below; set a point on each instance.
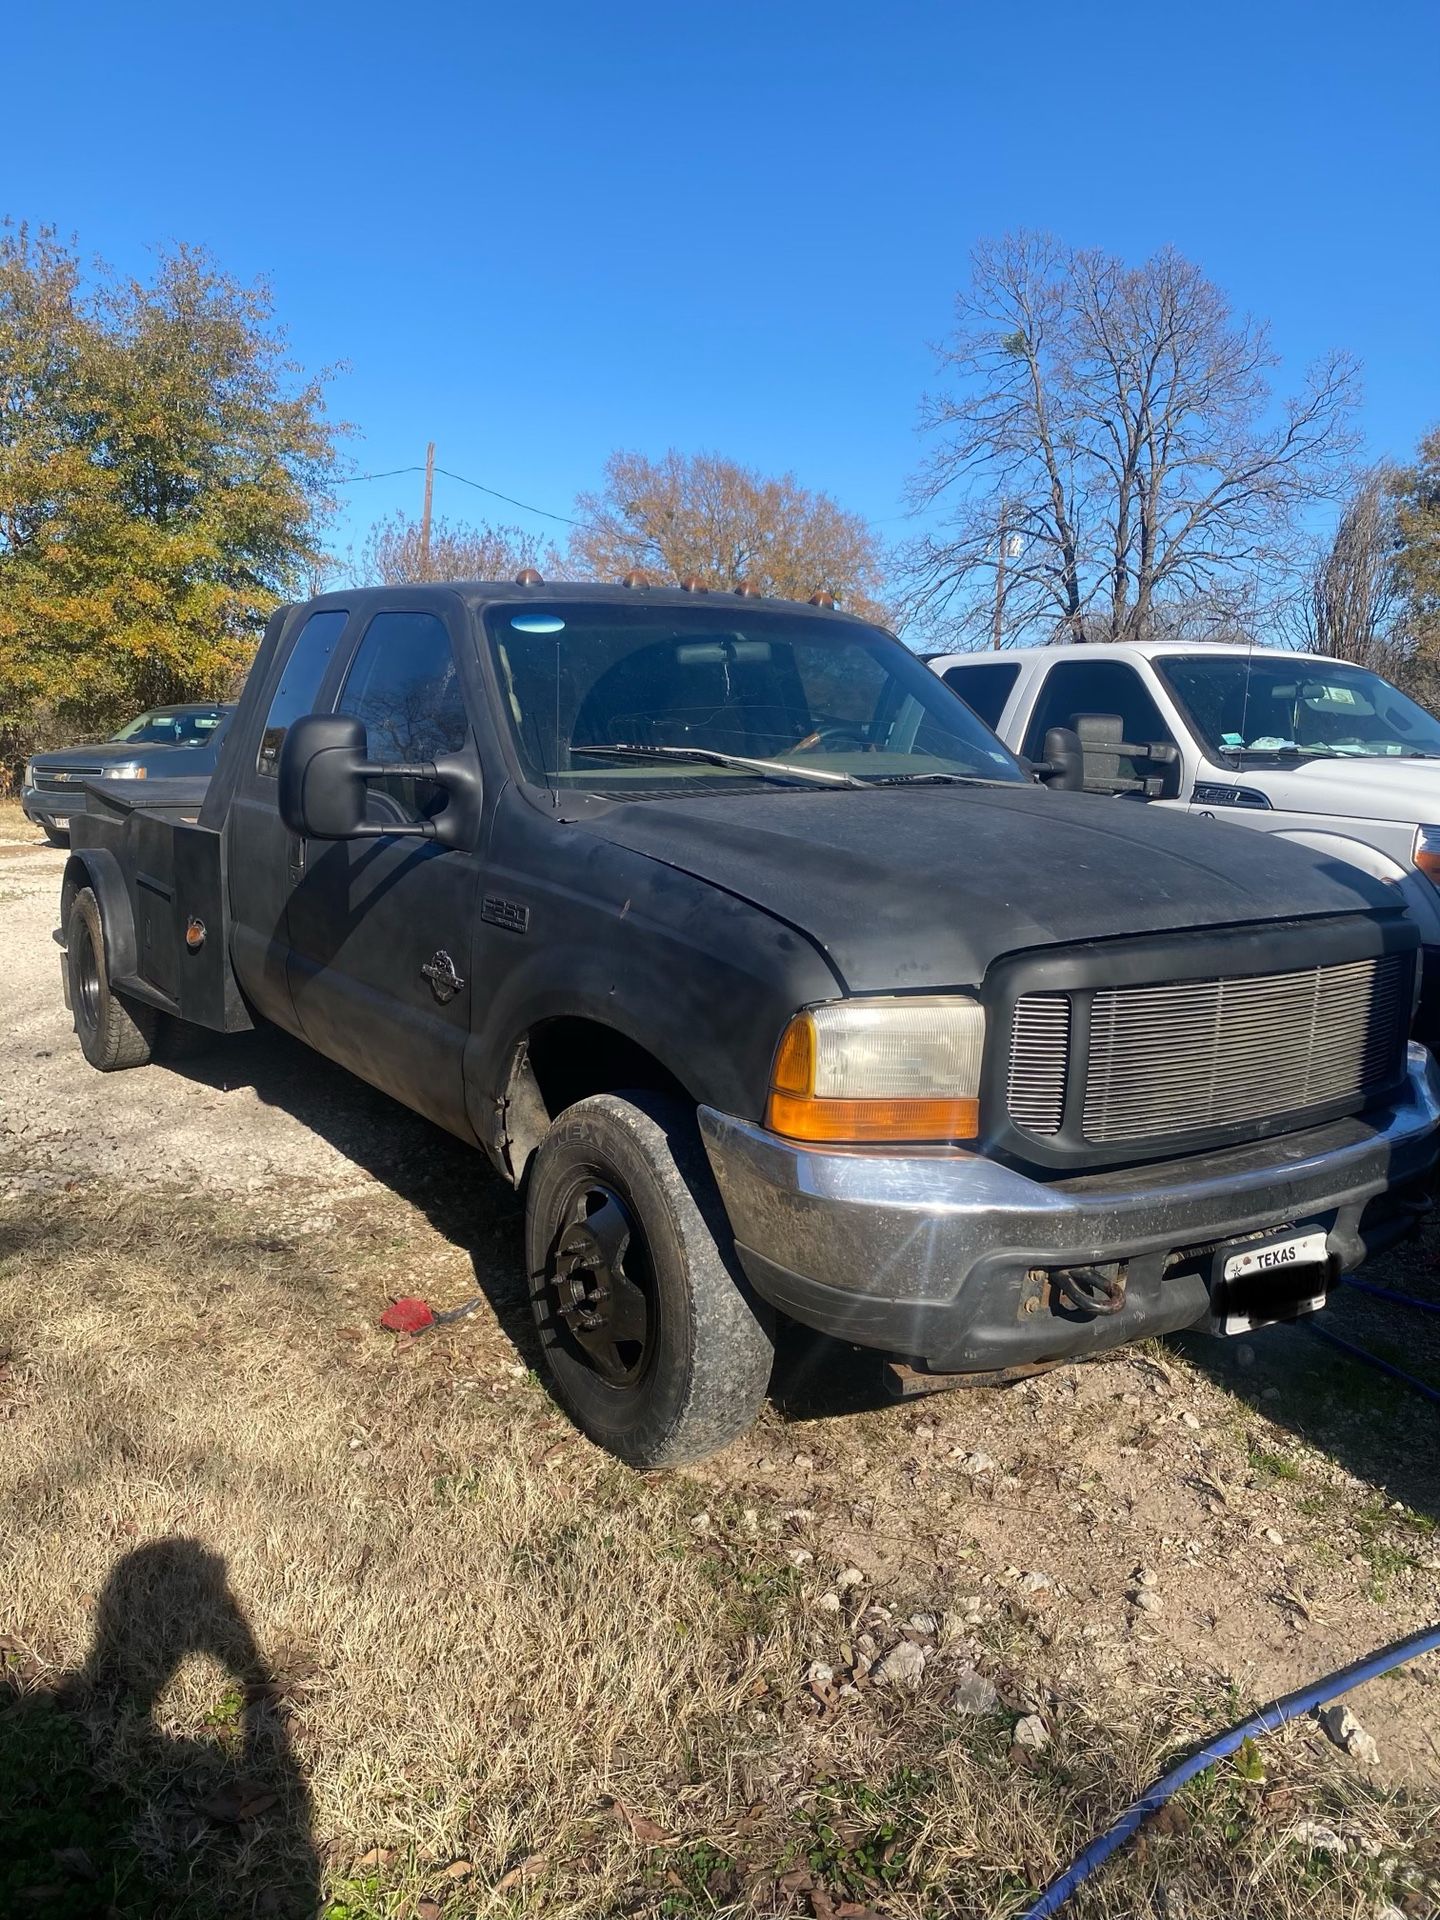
(1291, 752)
(707, 756)
(934, 780)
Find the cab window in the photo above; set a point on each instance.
(404, 685)
(299, 683)
(1076, 687)
(985, 687)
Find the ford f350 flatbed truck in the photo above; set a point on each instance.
(732, 936)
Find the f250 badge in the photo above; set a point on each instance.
(445, 982)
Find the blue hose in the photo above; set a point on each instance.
(1373, 1360)
(1266, 1721)
(1389, 1293)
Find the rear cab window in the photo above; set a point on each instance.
(299, 686)
(985, 687)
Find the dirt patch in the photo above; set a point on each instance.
(15, 828)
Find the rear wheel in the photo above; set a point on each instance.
(113, 1032)
(657, 1347)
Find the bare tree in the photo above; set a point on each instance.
(1108, 435)
(698, 515)
(393, 553)
(1353, 607)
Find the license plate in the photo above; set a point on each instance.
(1256, 1283)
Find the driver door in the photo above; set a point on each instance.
(381, 930)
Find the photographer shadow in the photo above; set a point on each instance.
(105, 1813)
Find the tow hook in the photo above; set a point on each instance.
(1089, 1290)
(1092, 1291)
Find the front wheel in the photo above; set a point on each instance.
(657, 1347)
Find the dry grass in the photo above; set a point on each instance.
(335, 1622)
(14, 827)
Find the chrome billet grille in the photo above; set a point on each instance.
(1039, 1058)
(1202, 1054)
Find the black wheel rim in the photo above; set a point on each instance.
(87, 983)
(602, 1284)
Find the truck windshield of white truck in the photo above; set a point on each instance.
(1265, 707)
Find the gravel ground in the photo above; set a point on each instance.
(257, 1114)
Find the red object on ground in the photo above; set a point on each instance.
(406, 1316)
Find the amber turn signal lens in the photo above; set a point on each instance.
(872, 1122)
(1427, 852)
(794, 1069)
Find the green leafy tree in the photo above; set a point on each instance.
(164, 476)
(1417, 515)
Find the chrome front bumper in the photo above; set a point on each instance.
(929, 1254)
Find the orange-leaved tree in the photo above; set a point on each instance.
(700, 515)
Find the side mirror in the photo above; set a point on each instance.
(323, 770)
(1064, 764)
(1103, 744)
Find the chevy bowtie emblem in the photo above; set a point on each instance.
(445, 982)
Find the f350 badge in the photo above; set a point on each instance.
(445, 982)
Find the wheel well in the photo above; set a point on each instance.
(564, 1060)
(76, 878)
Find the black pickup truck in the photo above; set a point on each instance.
(728, 932)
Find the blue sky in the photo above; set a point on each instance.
(539, 232)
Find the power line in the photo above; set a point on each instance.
(390, 473)
(564, 519)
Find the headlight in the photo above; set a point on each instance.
(1426, 852)
(29, 773)
(125, 770)
(869, 1071)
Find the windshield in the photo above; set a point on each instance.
(182, 727)
(805, 701)
(1250, 707)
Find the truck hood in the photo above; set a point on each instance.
(1378, 789)
(925, 887)
(105, 753)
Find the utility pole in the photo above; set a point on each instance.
(997, 631)
(425, 514)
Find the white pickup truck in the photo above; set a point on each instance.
(1315, 750)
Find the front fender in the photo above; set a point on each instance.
(1421, 899)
